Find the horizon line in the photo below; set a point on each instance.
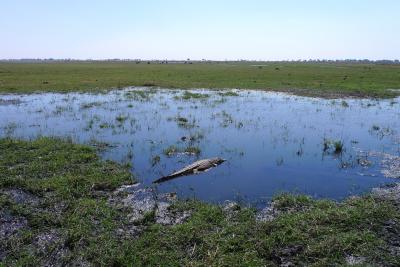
(203, 60)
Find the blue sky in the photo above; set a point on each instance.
(210, 29)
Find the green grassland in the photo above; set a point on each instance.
(72, 187)
(321, 79)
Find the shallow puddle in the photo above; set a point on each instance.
(273, 142)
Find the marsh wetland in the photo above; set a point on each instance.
(200, 133)
(273, 142)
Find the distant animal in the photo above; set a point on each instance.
(194, 168)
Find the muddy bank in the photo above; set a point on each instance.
(144, 207)
(141, 201)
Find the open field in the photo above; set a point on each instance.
(301, 78)
(55, 210)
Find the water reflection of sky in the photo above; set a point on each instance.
(273, 142)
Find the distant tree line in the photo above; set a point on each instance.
(188, 61)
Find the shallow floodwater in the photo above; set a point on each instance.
(273, 142)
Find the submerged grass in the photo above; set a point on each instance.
(192, 95)
(229, 93)
(173, 150)
(300, 78)
(335, 146)
(73, 185)
(184, 122)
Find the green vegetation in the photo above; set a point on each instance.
(336, 146)
(181, 120)
(184, 122)
(191, 95)
(308, 232)
(194, 150)
(172, 150)
(121, 118)
(90, 105)
(139, 95)
(376, 127)
(69, 180)
(72, 186)
(155, 160)
(301, 78)
(229, 93)
(345, 104)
